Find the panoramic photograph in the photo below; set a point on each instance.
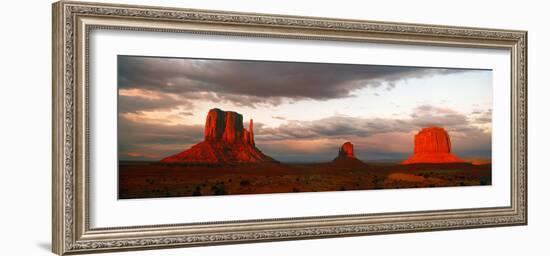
(209, 127)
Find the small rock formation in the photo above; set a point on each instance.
(346, 156)
(432, 145)
(225, 141)
(346, 150)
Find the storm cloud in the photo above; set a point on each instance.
(139, 140)
(259, 82)
(346, 126)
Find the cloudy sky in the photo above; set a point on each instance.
(302, 111)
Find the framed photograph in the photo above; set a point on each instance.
(178, 127)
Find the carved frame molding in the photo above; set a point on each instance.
(72, 22)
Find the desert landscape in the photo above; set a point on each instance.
(190, 127)
(228, 162)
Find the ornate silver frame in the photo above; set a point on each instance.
(72, 22)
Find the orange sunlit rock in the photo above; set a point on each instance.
(346, 150)
(432, 145)
(346, 157)
(480, 161)
(225, 141)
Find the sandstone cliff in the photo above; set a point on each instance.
(432, 145)
(225, 142)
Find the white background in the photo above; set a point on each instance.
(107, 211)
(25, 102)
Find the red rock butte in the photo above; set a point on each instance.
(346, 150)
(225, 142)
(346, 156)
(432, 145)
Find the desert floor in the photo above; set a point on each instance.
(151, 180)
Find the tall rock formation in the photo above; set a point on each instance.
(222, 126)
(346, 156)
(248, 135)
(432, 145)
(225, 142)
